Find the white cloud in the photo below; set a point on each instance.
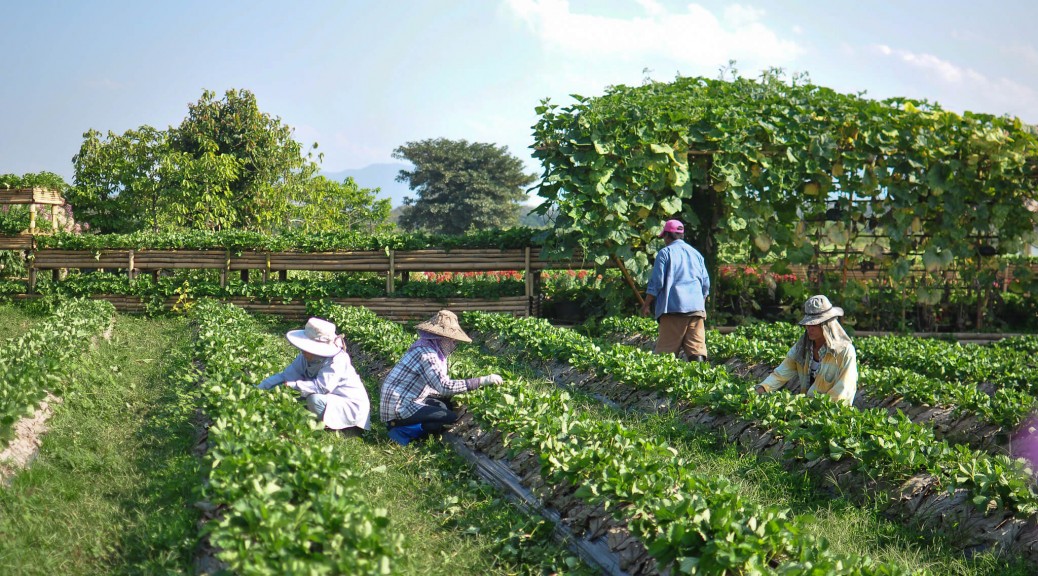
(942, 69)
(739, 15)
(652, 7)
(695, 37)
(963, 84)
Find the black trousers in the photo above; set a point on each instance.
(438, 415)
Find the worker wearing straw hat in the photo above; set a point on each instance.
(823, 360)
(323, 374)
(416, 394)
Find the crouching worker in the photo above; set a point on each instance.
(323, 374)
(823, 360)
(416, 394)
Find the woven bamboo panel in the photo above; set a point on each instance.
(31, 196)
(49, 259)
(182, 259)
(467, 260)
(19, 242)
(461, 260)
(348, 261)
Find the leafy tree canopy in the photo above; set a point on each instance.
(227, 165)
(329, 206)
(271, 164)
(789, 170)
(461, 186)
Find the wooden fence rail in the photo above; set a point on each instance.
(391, 263)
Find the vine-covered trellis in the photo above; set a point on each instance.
(789, 172)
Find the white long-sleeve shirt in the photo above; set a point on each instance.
(337, 383)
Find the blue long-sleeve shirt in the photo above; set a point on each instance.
(679, 281)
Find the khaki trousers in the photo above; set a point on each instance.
(679, 332)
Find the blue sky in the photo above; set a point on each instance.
(363, 77)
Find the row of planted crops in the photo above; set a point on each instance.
(929, 445)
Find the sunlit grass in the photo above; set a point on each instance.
(111, 490)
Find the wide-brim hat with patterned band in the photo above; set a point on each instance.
(445, 323)
(317, 337)
(818, 310)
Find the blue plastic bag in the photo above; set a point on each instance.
(403, 435)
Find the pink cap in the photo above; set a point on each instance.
(672, 226)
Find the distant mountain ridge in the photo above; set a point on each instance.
(381, 176)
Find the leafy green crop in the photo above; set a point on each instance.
(691, 523)
(287, 506)
(39, 360)
(886, 446)
(241, 240)
(926, 372)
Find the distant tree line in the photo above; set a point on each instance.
(228, 165)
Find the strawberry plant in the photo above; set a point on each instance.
(887, 446)
(691, 523)
(38, 360)
(286, 505)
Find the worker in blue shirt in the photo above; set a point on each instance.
(677, 295)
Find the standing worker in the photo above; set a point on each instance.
(678, 288)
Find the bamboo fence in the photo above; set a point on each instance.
(391, 263)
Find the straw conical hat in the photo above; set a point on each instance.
(445, 323)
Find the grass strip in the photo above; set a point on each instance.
(111, 490)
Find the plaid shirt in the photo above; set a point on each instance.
(420, 374)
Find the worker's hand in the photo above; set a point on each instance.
(760, 389)
(645, 308)
(492, 379)
(266, 384)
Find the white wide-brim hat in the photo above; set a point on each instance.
(819, 310)
(445, 323)
(317, 338)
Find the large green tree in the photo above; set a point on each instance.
(133, 181)
(273, 166)
(227, 165)
(329, 206)
(461, 186)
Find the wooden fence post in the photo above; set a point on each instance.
(391, 274)
(529, 282)
(226, 267)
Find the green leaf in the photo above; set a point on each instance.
(671, 204)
